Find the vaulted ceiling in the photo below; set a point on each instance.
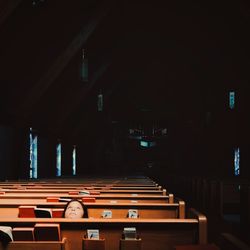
(151, 60)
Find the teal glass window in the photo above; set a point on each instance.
(33, 155)
(58, 159)
(144, 144)
(231, 99)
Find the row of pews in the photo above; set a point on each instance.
(164, 221)
(227, 200)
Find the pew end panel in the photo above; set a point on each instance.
(192, 213)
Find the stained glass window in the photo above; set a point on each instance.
(33, 155)
(237, 161)
(58, 159)
(231, 99)
(74, 160)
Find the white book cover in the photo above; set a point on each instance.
(133, 213)
(107, 214)
(93, 234)
(84, 192)
(6, 233)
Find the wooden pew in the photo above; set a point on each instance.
(99, 198)
(157, 234)
(66, 191)
(119, 210)
(37, 245)
(221, 196)
(77, 187)
(86, 181)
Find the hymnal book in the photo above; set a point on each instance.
(57, 212)
(113, 202)
(93, 234)
(23, 233)
(26, 211)
(134, 194)
(129, 233)
(84, 192)
(43, 213)
(106, 214)
(47, 232)
(64, 199)
(133, 213)
(6, 234)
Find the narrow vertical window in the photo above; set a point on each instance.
(74, 160)
(231, 99)
(100, 102)
(84, 67)
(237, 161)
(33, 155)
(58, 159)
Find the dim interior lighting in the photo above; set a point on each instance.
(231, 99)
(144, 144)
(147, 144)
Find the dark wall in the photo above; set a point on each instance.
(14, 153)
(6, 145)
(46, 157)
(197, 144)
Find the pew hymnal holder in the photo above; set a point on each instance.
(130, 239)
(93, 241)
(130, 244)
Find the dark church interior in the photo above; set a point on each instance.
(143, 92)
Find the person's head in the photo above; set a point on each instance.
(75, 210)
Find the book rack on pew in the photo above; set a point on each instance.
(92, 244)
(135, 244)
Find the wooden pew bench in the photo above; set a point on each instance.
(95, 210)
(66, 191)
(37, 245)
(157, 234)
(99, 198)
